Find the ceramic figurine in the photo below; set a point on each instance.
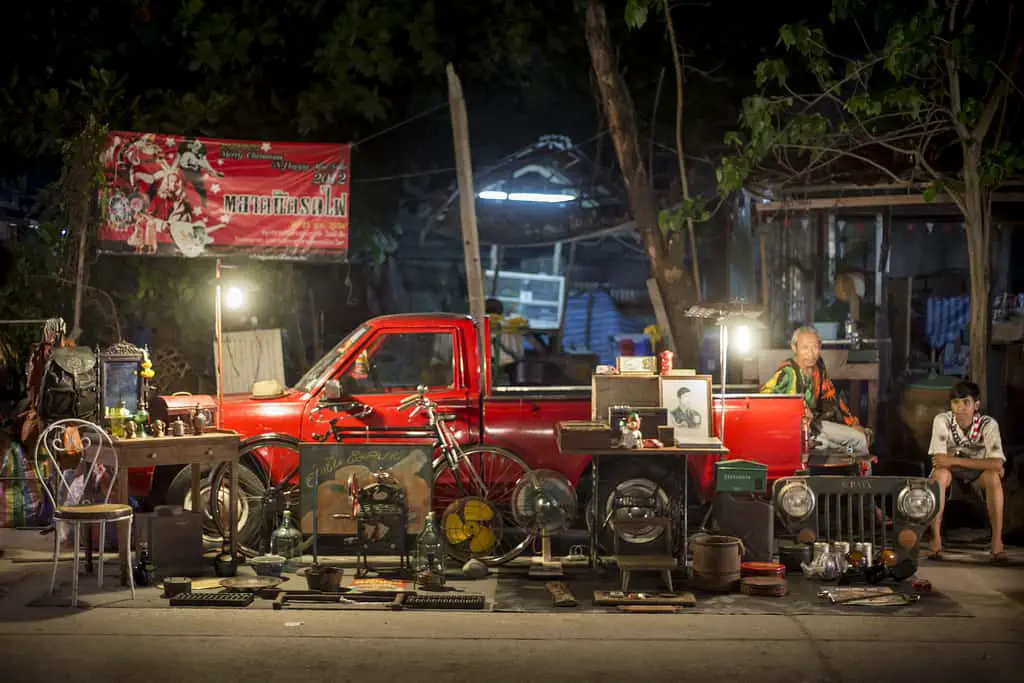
(159, 428)
(631, 434)
(130, 429)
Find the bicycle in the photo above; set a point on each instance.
(486, 472)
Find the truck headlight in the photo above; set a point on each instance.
(916, 503)
(796, 499)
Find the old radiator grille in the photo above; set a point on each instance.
(854, 517)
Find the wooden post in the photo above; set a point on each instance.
(467, 210)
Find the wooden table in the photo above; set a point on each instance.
(682, 453)
(209, 449)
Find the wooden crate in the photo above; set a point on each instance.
(580, 436)
(638, 391)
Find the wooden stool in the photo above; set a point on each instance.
(663, 563)
(659, 563)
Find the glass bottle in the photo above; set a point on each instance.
(286, 540)
(430, 554)
(145, 571)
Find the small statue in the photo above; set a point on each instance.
(159, 428)
(632, 437)
(130, 429)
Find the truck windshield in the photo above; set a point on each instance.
(316, 374)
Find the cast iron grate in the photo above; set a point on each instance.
(212, 600)
(461, 601)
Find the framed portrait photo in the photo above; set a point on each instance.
(687, 402)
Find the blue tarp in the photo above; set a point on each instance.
(606, 323)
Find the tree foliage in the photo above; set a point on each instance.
(915, 96)
(919, 91)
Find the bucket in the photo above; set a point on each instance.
(716, 563)
(324, 579)
(920, 402)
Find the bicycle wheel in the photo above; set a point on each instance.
(500, 471)
(262, 504)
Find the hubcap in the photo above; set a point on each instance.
(223, 498)
(639, 488)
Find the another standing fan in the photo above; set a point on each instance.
(545, 503)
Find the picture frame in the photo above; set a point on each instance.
(688, 406)
(641, 365)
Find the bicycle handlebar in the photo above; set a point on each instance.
(419, 397)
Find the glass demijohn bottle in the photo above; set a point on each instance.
(286, 540)
(430, 553)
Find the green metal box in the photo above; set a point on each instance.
(740, 476)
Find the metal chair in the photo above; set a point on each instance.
(71, 438)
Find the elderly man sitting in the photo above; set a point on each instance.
(829, 419)
(966, 446)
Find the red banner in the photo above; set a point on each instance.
(186, 196)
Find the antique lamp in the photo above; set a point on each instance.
(738, 327)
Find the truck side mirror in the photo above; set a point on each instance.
(332, 390)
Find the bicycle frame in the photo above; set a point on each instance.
(450, 448)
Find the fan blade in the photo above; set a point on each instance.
(477, 511)
(483, 541)
(454, 529)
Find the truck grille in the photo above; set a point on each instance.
(856, 510)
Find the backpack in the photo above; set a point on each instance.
(70, 386)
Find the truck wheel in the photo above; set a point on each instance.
(633, 478)
(250, 490)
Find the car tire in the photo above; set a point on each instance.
(179, 492)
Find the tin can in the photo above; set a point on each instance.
(867, 551)
(665, 359)
(820, 549)
(840, 547)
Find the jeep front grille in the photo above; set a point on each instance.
(854, 517)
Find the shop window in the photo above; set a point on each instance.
(402, 362)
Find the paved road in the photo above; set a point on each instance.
(157, 645)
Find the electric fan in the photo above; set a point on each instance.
(545, 503)
(472, 527)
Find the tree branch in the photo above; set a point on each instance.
(1001, 92)
(683, 181)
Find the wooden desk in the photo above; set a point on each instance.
(208, 449)
(683, 453)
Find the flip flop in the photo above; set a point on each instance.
(999, 558)
(936, 556)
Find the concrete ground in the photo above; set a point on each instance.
(55, 644)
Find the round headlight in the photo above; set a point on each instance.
(796, 499)
(916, 503)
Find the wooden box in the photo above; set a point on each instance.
(175, 541)
(638, 391)
(580, 436)
(168, 408)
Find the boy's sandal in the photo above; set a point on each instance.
(935, 556)
(999, 558)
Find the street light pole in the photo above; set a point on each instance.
(219, 339)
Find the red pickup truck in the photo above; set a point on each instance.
(385, 359)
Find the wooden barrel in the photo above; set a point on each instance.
(716, 563)
(920, 402)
